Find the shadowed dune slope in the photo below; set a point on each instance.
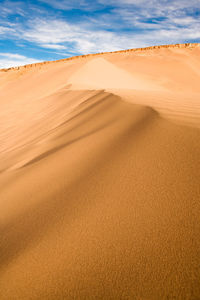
(99, 190)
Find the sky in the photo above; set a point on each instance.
(40, 30)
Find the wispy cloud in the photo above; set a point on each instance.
(154, 6)
(65, 27)
(8, 60)
(57, 34)
(61, 35)
(54, 46)
(12, 8)
(6, 29)
(75, 4)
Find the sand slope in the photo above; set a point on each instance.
(99, 190)
(99, 73)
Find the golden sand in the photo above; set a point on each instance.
(100, 177)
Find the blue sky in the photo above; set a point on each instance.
(39, 30)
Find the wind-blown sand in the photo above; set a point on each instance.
(99, 177)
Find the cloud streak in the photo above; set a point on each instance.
(8, 60)
(61, 35)
(65, 28)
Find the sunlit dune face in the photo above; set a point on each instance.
(99, 177)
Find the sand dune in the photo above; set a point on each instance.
(99, 177)
(99, 73)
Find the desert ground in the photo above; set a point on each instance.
(100, 177)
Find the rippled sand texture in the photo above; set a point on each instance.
(100, 177)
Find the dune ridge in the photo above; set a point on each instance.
(186, 45)
(99, 177)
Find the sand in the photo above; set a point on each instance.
(99, 177)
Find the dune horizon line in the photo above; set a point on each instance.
(177, 45)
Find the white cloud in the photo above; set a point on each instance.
(8, 60)
(79, 38)
(5, 29)
(48, 32)
(57, 34)
(75, 4)
(154, 5)
(10, 7)
(151, 3)
(54, 46)
(126, 24)
(156, 21)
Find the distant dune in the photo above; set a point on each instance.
(100, 176)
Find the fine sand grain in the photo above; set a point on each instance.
(100, 177)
